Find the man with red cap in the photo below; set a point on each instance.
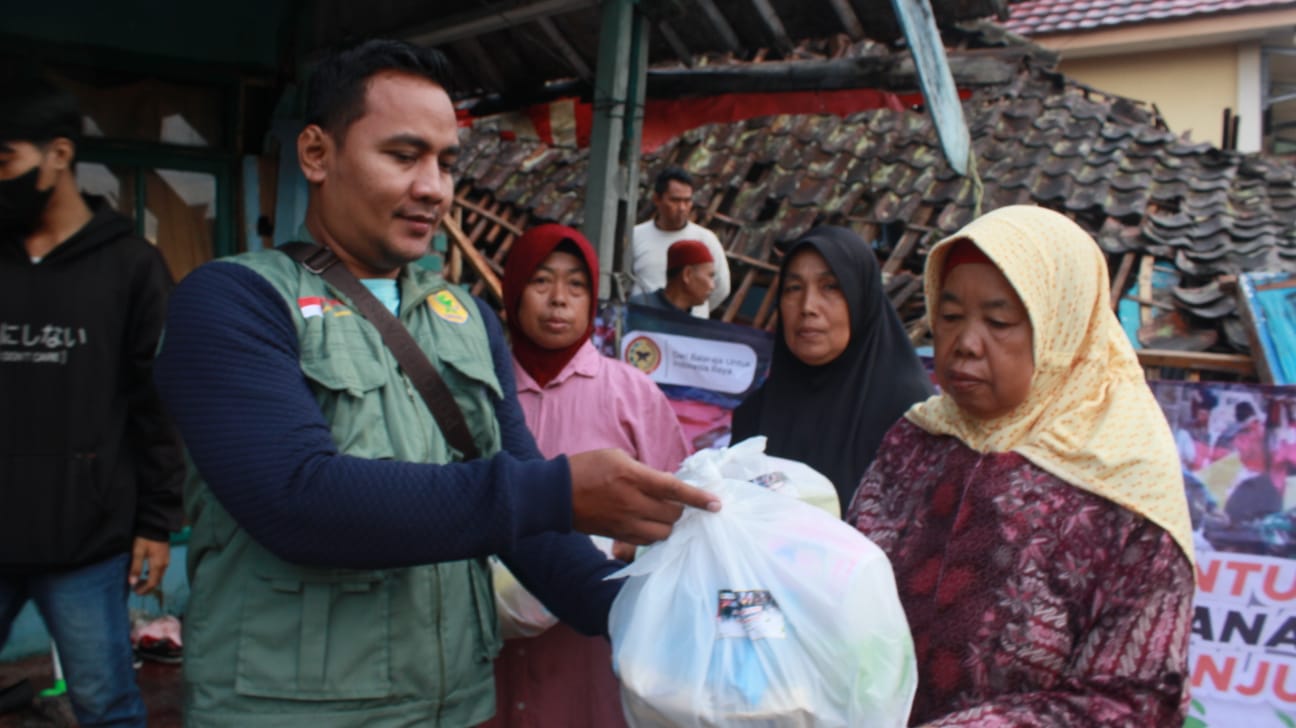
(673, 202)
(690, 279)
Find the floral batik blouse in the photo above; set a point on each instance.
(1031, 602)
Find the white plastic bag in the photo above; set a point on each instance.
(769, 613)
(520, 613)
(747, 461)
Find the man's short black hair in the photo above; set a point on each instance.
(336, 93)
(672, 174)
(35, 110)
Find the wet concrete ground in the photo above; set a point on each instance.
(160, 684)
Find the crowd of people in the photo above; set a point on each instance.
(1237, 452)
(361, 436)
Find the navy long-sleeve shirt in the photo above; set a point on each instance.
(229, 372)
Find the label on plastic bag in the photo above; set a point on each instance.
(752, 614)
(772, 481)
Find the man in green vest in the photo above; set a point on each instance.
(337, 561)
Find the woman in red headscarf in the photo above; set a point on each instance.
(574, 399)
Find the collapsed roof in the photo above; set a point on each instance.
(1110, 163)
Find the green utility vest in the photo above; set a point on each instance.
(269, 643)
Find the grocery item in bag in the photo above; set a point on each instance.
(767, 613)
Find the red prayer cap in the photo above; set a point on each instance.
(687, 252)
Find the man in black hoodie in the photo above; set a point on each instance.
(90, 466)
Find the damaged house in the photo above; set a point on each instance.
(1179, 219)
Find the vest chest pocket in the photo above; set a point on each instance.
(315, 636)
(343, 353)
(472, 361)
(347, 370)
(469, 372)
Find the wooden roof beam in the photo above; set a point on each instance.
(775, 25)
(474, 257)
(568, 52)
(488, 20)
(676, 44)
(849, 20)
(722, 26)
(886, 73)
(481, 64)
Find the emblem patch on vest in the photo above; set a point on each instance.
(445, 305)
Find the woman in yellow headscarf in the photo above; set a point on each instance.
(1034, 510)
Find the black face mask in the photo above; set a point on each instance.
(21, 204)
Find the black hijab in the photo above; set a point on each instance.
(832, 417)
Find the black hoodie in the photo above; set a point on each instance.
(88, 458)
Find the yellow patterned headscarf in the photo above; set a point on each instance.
(1089, 417)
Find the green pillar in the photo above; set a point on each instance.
(619, 81)
(632, 142)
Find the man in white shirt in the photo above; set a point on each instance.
(673, 199)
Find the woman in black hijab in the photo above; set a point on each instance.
(843, 370)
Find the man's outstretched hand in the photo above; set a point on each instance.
(615, 496)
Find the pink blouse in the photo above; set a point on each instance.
(597, 402)
(561, 678)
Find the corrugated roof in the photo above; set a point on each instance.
(1045, 17)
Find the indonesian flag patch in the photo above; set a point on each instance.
(311, 306)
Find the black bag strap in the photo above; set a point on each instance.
(436, 395)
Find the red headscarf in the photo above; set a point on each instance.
(527, 253)
(963, 252)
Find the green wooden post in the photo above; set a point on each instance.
(631, 143)
(605, 194)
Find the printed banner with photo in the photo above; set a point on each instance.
(706, 368)
(1237, 446)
